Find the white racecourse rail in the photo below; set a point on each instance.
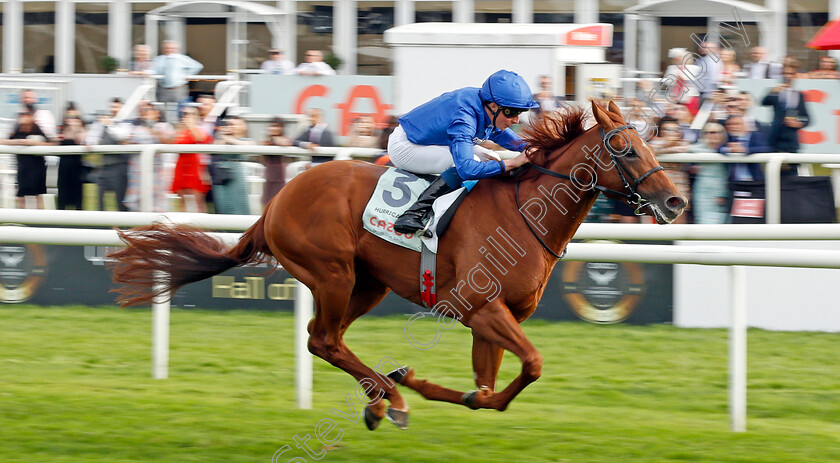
(147, 153)
(596, 252)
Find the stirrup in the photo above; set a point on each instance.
(425, 230)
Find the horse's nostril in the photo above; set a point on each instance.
(676, 203)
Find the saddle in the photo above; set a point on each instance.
(395, 192)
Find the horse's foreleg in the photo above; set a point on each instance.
(495, 325)
(431, 391)
(494, 331)
(486, 359)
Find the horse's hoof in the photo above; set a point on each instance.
(469, 399)
(398, 374)
(371, 420)
(398, 417)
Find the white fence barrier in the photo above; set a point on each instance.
(593, 252)
(587, 231)
(780, 299)
(147, 153)
(772, 171)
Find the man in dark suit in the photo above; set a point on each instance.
(744, 104)
(316, 135)
(743, 142)
(789, 115)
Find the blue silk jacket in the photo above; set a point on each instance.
(457, 119)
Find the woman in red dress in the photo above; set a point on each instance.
(190, 179)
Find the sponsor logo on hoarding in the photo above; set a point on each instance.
(602, 292)
(226, 287)
(346, 105)
(22, 269)
(98, 255)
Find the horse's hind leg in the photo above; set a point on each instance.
(319, 248)
(367, 293)
(338, 306)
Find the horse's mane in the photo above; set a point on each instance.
(554, 130)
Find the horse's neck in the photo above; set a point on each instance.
(566, 202)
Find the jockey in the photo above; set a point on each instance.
(442, 137)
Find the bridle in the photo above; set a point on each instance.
(632, 196)
(631, 183)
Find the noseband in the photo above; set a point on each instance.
(630, 182)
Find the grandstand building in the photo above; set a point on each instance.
(75, 36)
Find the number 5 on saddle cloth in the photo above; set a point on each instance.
(396, 191)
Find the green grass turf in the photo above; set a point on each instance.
(75, 386)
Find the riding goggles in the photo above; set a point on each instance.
(510, 113)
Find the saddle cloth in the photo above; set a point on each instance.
(395, 192)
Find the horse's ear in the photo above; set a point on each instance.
(614, 109)
(601, 116)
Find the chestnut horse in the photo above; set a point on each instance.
(313, 228)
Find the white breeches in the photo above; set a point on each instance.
(426, 159)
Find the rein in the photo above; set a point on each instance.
(630, 194)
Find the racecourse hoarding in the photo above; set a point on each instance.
(70, 275)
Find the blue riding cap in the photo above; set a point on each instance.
(507, 88)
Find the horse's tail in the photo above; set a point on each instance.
(161, 258)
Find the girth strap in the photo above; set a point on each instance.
(428, 277)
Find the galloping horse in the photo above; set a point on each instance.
(313, 228)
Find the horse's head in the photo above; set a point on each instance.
(628, 167)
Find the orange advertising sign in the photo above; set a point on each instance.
(591, 36)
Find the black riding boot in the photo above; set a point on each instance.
(412, 220)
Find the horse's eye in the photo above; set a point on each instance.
(632, 153)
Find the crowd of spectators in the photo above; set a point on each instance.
(713, 115)
(191, 181)
(196, 179)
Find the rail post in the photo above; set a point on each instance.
(147, 173)
(160, 332)
(773, 190)
(738, 350)
(303, 359)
